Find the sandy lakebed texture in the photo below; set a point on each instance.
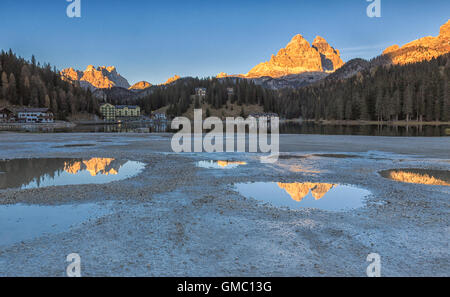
(177, 219)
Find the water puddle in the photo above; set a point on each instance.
(24, 222)
(291, 157)
(418, 176)
(220, 164)
(336, 156)
(74, 145)
(331, 197)
(39, 173)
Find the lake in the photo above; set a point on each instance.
(285, 128)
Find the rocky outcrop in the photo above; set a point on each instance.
(423, 49)
(292, 81)
(330, 57)
(71, 74)
(299, 57)
(349, 69)
(96, 78)
(222, 75)
(172, 79)
(142, 85)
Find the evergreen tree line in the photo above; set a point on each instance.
(418, 92)
(179, 97)
(27, 83)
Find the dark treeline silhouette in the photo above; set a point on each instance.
(27, 83)
(178, 96)
(384, 93)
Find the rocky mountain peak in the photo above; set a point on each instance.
(331, 59)
(297, 40)
(142, 85)
(444, 33)
(96, 78)
(299, 56)
(90, 68)
(222, 75)
(172, 79)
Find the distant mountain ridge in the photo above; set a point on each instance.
(425, 48)
(96, 78)
(296, 65)
(142, 85)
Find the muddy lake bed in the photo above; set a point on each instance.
(319, 210)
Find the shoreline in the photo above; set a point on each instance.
(367, 123)
(22, 126)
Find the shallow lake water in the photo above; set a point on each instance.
(331, 197)
(24, 222)
(285, 128)
(38, 173)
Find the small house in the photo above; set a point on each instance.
(159, 116)
(7, 115)
(200, 92)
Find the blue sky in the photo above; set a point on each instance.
(153, 40)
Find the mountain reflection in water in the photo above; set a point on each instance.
(220, 164)
(298, 191)
(37, 173)
(325, 196)
(94, 166)
(419, 176)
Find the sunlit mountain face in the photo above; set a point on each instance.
(419, 176)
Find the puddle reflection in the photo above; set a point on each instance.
(419, 176)
(331, 197)
(38, 173)
(24, 222)
(220, 164)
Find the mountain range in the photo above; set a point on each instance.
(298, 64)
(421, 49)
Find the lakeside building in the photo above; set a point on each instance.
(7, 115)
(201, 92)
(108, 112)
(111, 112)
(158, 116)
(34, 115)
(124, 111)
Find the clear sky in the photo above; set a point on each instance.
(153, 40)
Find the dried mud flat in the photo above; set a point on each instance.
(176, 219)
